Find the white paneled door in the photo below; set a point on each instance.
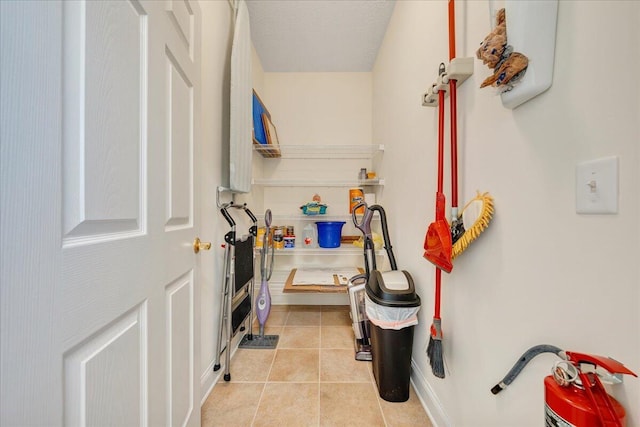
(99, 172)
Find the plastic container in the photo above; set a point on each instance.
(289, 242)
(329, 233)
(356, 196)
(309, 239)
(392, 305)
(278, 238)
(314, 208)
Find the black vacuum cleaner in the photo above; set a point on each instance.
(357, 284)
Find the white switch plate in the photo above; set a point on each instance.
(597, 186)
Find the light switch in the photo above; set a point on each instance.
(597, 186)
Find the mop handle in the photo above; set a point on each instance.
(453, 109)
(452, 30)
(265, 246)
(454, 143)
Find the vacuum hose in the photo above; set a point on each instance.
(522, 362)
(385, 235)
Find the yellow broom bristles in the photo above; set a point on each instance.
(480, 224)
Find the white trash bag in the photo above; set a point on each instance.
(391, 317)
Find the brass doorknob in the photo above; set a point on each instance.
(197, 245)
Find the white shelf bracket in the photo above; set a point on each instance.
(220, 190)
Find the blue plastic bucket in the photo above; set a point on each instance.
(329, 233)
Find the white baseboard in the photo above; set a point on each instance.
(208, 379)
(427, 396)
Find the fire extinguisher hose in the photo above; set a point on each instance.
(523, 361)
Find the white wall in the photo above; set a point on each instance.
(255, 198)
(315, 109)
(540, 273)
(217, 34)
(320, 108)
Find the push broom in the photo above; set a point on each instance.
(437, 242)
(434, 349)
(438, 248)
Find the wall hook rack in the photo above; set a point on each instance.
(459, 69)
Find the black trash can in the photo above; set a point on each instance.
(392, 306)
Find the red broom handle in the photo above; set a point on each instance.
(436, 314)
(440, 141)
(452, 30)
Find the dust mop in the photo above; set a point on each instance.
(263, 300)
(478, 212)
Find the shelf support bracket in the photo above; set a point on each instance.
(220, 190)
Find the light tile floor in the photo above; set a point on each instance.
(311, 379)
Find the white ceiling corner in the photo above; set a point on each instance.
(318, 35)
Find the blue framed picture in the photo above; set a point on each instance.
(259, 134)
(265, 138)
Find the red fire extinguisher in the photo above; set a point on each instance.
(574, 393)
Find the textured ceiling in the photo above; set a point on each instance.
(318, 35)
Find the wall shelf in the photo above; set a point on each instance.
(267, 151)
(313, 218)
(325, 167)
(346, 249)
(317, 182)
(321, 151)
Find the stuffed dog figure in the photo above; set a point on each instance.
(508, 66)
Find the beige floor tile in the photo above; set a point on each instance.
(303, 318)
(231, 404)
(405, 414)
(300, 337)
(349, 405)
(292, 395)
(290, 404)
(295, 365)
(337, 337)
(335, 308)
(251, 364)
(339, 365)
(268, 329)
(307, 308)
(335, 318)
(276, 318)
